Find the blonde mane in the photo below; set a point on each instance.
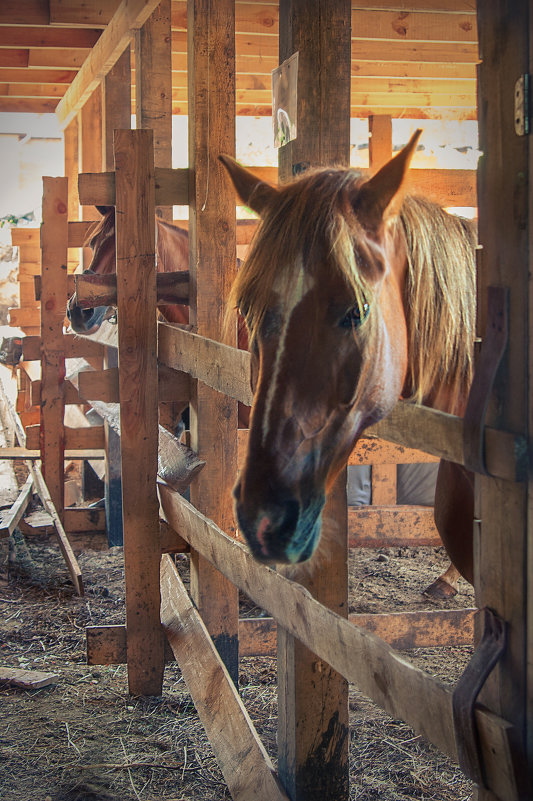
(440, 300)
(315, 213)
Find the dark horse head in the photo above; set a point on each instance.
(321, 292)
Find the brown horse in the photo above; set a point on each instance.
(353, 299)
(172, 255)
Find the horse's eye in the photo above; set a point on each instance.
(354, 317)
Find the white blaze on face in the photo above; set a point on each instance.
(297, 291)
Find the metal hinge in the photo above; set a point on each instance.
(522, 124)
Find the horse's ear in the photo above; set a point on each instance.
(380, 196)
(253, 192)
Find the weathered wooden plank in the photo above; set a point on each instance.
(64, 543)
(212, 266)
(392, 526)
(54, 240)
(84, 518)
(130, 15)
(171, 187)
(137, 337)
(244, 763)
(76, 439)
(503, 535)
(73, 346)
(17, 452)
(222, 367)
(313, 724)
(26, 679)
(101, 290)
(27, 36)
(384, 484)
(10, 519)
(153, 86)
(106, 645)
(41, 488)
(447, 187)
(380, 141)
(83, 13)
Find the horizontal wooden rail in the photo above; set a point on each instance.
(364, 659)
(107, 645)
(171, 187)
(101, 290)
(74, 347)
(227, 370)
(447, 187)
(18, 452)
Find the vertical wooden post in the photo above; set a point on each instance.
(212, 259)
(54, 245)
(90, 151)
(153, 86)
(313, 698)
(116, 115)
(505, 214)
(116, 106)
(72, 167)
(380, 141)
(137, 338)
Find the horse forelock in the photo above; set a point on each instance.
(440, 299)
(312, 223)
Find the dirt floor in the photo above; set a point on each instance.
(85, 739)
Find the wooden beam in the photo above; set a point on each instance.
(17, 452)
(43, 37)
(130, 15)
(106, 645)
(391, 526)
(212, 266)
(136, 296)
(83, 13)
(54, 239)
(503, 509)
(10, 519)
(171, 187)
(153, 86)
(244, 763)
(313, 720)
(74, 347)
(222, 367)
(84, 519)
(32, 12)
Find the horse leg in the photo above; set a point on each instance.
(454, 516)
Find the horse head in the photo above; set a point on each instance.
(322, 297)
(102, 243)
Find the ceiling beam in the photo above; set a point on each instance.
(129, 17)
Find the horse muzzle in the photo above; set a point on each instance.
(281, 531)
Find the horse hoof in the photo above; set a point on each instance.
(440, 590)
